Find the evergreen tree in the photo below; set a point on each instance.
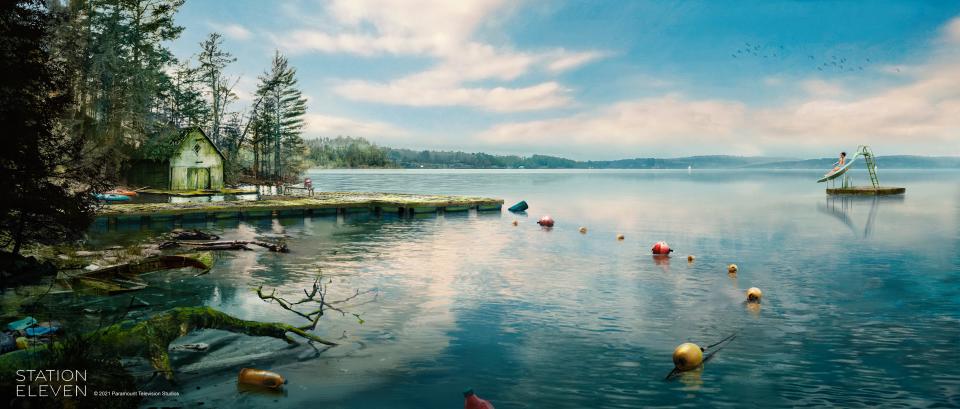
(219, 88)
(281, 118)
(47, 177)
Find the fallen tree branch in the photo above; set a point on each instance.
(151, 338)
(317, 297)
(227, 245)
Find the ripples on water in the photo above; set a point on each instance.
(860, 304)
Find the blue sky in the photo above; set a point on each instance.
(603, 80)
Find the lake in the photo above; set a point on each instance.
(861, 295)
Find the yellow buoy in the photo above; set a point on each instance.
(620, 237)
(732, 268)
(754, 294)
(583, 230)
(687, 356)
(515, 222)
(690, 258)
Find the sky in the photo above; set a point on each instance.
(608, 80)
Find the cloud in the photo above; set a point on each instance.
(647, 121)
(317, 125)
(952, 30)
(444, 31)
(919, 113)
(499, 99)
(234, 31)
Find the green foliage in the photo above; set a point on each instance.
(347, 152)
(47, 179)
(279, 152)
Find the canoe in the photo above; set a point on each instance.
(121, 192)
(112, 197)
(833, 174)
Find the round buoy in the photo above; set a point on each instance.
(691, 258)
(515, 222)
(583, 230)
(687, 356)
(661, 248)
(545, 221)
(754, 294)
(620, 237)
(732, 268)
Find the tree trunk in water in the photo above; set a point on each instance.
(151, 339)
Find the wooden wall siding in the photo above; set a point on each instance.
(197, 165)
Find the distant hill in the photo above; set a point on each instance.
(348, 152)
(884, 162)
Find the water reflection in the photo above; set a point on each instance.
(563, 319)
(842, 207)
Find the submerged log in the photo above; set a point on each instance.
(151, 338)
(227, 245)
(192, 235)
(125, 277)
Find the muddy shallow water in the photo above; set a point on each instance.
(861, 296)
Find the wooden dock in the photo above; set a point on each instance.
(320, 204)
(867, 190)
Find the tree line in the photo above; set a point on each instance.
(89, 86)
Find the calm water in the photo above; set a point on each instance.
(861, 299)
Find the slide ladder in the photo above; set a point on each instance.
(871, 161)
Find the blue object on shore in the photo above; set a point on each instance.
(22, 324)
(519, 207)
(40, 331)
(111, 197)
(7, 343)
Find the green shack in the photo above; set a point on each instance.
(192, 163)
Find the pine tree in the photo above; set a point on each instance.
(281, 117)
(219, 88)
(47, 176)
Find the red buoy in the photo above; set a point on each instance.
(661, 248)
(472, 401)
(546, 221)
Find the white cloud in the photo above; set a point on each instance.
(231, 30)
(952, 30)
(442, 30)
(819, 87)
(919, 114)
(317, 125)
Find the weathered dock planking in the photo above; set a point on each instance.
(321, 203)
(866, 190)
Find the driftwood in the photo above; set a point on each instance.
(317, 298)
(192, 235)
(227, 245)
(125, 277)
(151, 338)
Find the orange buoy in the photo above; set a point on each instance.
(545, 221)
(260, 377)
(620, 237)
(661, 248)
(754, 294)
(687, 356)
(732, 269)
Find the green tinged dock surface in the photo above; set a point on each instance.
(320, 203)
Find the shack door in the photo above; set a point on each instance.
(198, 178)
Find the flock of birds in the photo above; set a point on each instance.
(832, 64)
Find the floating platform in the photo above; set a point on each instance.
(867, 190)
(321, 203)
(192, 193)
